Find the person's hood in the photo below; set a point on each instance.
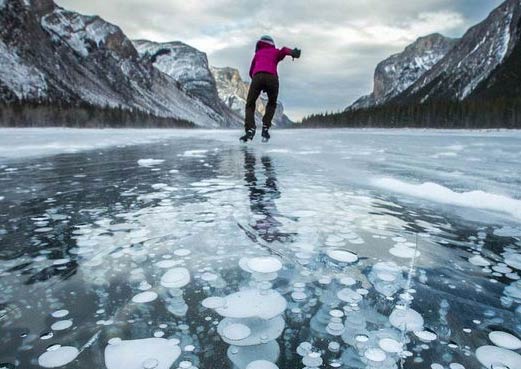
(261, 44)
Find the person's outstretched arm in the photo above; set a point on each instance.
(286, 51)
(252, 66)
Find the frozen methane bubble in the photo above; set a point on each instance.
(264, 264)
(479, 260)
(406, 319)
(261, 330)
(304, 348)
(375, 354)
(426, 336)
(404, 252)
(261, 364)
(498, 357)
(390, 345)
(312, 359)
(60, 313)
(513, 260)
(342, 256)
(60, 356)
(61, 325)
(251, 303)
(144, 297)
(135, 354)
(213, 302)
(236, 331)
(505, 340)
(349, 296)
(175, 278)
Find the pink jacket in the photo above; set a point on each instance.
(267, 57)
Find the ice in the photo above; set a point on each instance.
(505, 340)
(438, 193)
(58, 357)
(293, 248)
(153, 353)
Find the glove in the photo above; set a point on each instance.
(295, 53)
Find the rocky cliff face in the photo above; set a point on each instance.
(398, 72)
(186, 65)
(234, 91)
(50, 54)
(473, 60)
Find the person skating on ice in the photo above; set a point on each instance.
(264, 77)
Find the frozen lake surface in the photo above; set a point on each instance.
(145, 249)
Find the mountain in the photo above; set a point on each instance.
(49, 55)
(234, 91)
(476, 58)
(189, 67)
(398, 72)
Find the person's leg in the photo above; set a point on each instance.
(272, 88)
(253, 94)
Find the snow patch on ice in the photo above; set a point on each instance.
(149, 162)
(441, 194)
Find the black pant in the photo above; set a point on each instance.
(262, 82)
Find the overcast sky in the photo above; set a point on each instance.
(341, 40)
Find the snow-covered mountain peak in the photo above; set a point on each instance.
(479, 52)
(87, 33)
(396, 73)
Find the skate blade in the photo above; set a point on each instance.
(265, 140)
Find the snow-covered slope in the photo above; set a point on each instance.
(234, 91)
(189, 68)
(50, 54)
(480, 51)
(398, 72)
